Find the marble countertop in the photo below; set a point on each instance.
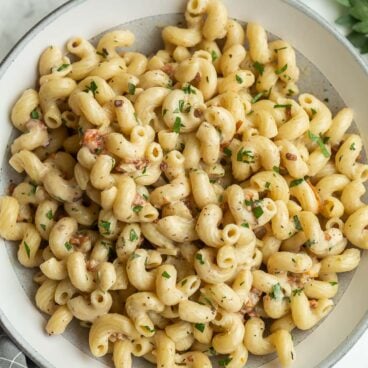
(18, 16)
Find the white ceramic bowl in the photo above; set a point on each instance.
(311, 36)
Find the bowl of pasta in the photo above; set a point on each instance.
(183, 184)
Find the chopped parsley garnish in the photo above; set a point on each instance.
(280, 106)
(188, 89)
(34, 114)
(183, 282)
(257, 212)
(224, 362)
(259, 67)
(314, 112)
(276, 292)
(281, 70)
(27, 249)
(33, 188)
(333, 283)
(106, 226)
(297, 224)
(62, 67)
(227, 152)
(177, 125)
(297, 291)
(133, 235)
(257, 97)
(199, 258)
(104, 53)
(267, 185)
(149, 329)
(137, 209)
(276, 169)
(68, 246)
(245, 156)
(43, 227)
(92, 87)
(164, 112)
(239, 79)
(200, 326)
(296, 182)
(214, 55)
(134, 256)
(166, 275)
(352, 147)
(50, 215)
(131, 88)
(319, 141)
(245, 224)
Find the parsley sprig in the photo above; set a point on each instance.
(356, 20)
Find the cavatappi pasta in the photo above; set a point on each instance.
(174, 202)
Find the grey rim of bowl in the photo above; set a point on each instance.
(358, 331)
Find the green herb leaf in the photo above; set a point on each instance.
(297, 291)
(34, 114)
(276, 292)
(133, 235)
(134, 256)
(92, 87)
(166, 275)
(200, 326)
(183, 282)
(224, 362)
(33, 188)
(245, 224)
(43, 226)
(344, 2)
(357, 39)
(188, 89)
(345, 20)
(259, 67)
(199, 258)
(359, 9)
(267, 185)
(227, 152)
(68, 246)
(257, 97)
(131, 88)
(333, 283)
(137, 208)
(106, 226)
(352, 147)
(149, 329)
(257, 212)
(297, 224)
(62, 67)
(245, 156)
(276, 169)
(361, 27)
(177, 125)
(281, 70)
(214, 55)
(50, 215)
(319, 141)
(296, 182)
(279, 106)
(27, 249)
(239, 79)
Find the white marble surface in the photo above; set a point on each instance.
(17, 16)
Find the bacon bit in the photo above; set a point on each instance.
(327, 236)
(139, 164)
(239, 124)
(91, 265)
(198, 113)
(291, 157)
(253, 299)
(93, 140)
(79, 239)
(118, 103)
(168, 69)
(288, 113)
(163, 166)
(189, 358)
(313, 303)
(138, 200)
(197, 79)
(11, 188)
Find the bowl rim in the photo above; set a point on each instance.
(344, 347)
